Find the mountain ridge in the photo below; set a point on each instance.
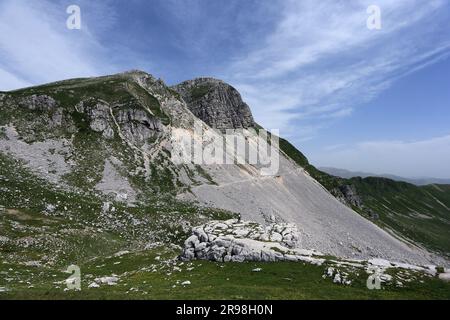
(347, 174)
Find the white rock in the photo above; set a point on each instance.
(337, 278)
(111, 281)
(330, 271)
(121, 253)
(380, 262)
(445, 276)
(201, 246)
(191, 241)
(276, 237)
(201, 234)
(221, 226)
(235, 240)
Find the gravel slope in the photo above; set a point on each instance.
(293, 196)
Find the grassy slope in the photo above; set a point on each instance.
(421, 214)
(121, 92)
(76, 234)
(118, 90)
(209, 280)
(77, 229)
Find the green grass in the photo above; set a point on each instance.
(200, 91)
(148, 100)
(2, 133)
(417, 213)
(76, 227)
(209, 280)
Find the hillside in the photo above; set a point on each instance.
(113, 138)
(88, 172)
(417, 213)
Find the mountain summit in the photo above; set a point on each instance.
(217, 103)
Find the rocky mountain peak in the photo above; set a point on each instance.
(215, 102)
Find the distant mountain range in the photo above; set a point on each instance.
(347, 174)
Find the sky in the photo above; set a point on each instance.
(373, 100)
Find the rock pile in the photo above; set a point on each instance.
(233, 240)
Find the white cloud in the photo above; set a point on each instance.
(9, 81)
(321, 60)
(424, 158)
(36, 47)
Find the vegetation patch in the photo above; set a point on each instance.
(200, 91)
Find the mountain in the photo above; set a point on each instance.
(342, 173)
(218, 104)
(87, 169)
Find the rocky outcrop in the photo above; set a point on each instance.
(39, 102)
(238, 241)
(137, 125)
(347, 194)
(216, 103)
(98, 113)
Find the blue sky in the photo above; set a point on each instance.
(347, 96)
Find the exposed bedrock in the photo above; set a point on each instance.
(216, 103)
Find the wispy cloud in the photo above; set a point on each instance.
(423, 158)
(300, 64)
(9, 81)
(321, 60)
(36, 46)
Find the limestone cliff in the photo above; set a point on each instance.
(216, 103)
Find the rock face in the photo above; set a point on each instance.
(238, 241)
(347, 194)
(138, 125)
(98, 113)
(216, 103)
(39, 102)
